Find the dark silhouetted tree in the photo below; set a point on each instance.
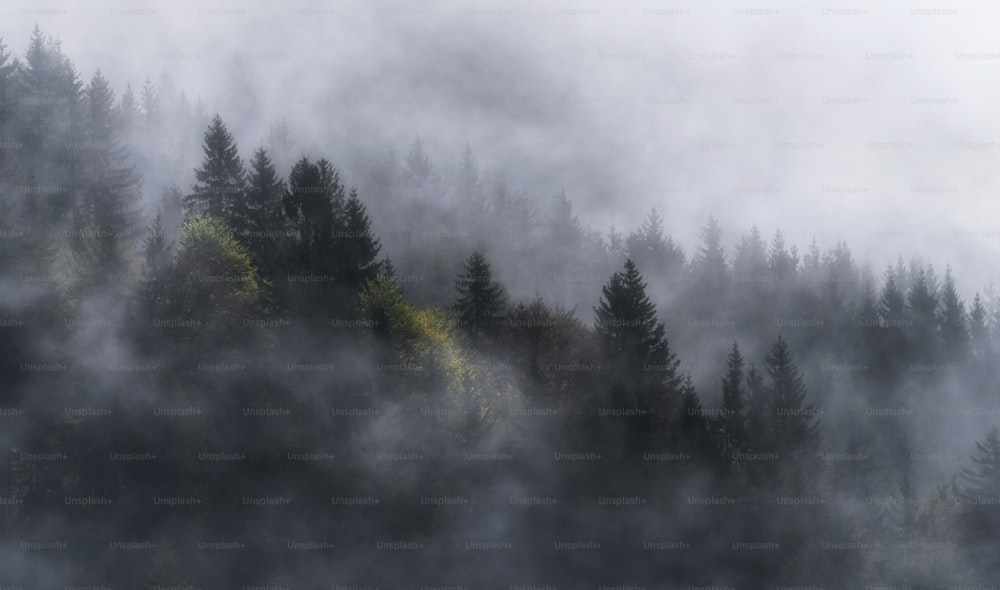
(481, 300)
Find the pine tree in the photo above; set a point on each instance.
(418, 165)
(358, 247)
(265, 219)
(468, 186)
(314, 204)
(221, 180)
(782, 422)
(782, 263)
(922, 301)
(979, 498)
(979, 335)
(733, 420)
(750, 262)
(650, 248)
(709, 263)
(709, 287)
(952, 321)
(796, 428)
(128, 110)
(280, 145)
(644, 372)
(113, 186)
(480, 301)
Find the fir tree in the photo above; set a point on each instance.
(952, 321)
(221, 182)
(480, 301)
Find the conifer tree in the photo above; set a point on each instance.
(643, 370)
(733, 420)
(952, 321)
(221, 180)
(481, 300)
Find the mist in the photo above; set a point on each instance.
(498, 295)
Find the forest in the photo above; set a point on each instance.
(249, 366)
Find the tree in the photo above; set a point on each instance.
(782, 263)
(709, 264)
(358, 247)
(952, 321)
(469, 189)
(113, 186)
(214, 282)
(710, 274)
(265, 218)
(979, 335)
(733, 420)
(644, 372)
(653, 250)
(481, 300)
(418, 164)
(891, 351)
(280, 145)
(796, 429)
(221, 180)
(314, 203)
(750, 262)
(980, 496)
(784, 424)
(922, 300)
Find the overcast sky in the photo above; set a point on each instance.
(872, 124)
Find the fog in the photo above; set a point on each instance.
(868, 126)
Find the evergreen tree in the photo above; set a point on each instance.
(644, 373)
(785, 424)
(469, 189)
(979, 336)
(750, 262)
(358, 247)
(113, 186)
(782, 263)
(952, 321)
(709, 263)
(480, 301)
(922, 301)
(979, 495)
(418, 165)
(733, 420)
(221, 180)
(314, 203)
(265, 218)
(650, 248)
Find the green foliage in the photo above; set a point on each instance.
(480, 300)
(221, 180)
(213, 276)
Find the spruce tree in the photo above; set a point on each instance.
(979, 332)
(650, 248)
(358, 247)
(980, 495)
(266, 222)
(952, 321)
(480, 301)
(922, 301)
(733, 420)
(221, 180)
(643, 371)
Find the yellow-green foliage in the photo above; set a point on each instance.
(444, 372)
(214, 269)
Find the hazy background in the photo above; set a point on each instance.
(870, 124)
